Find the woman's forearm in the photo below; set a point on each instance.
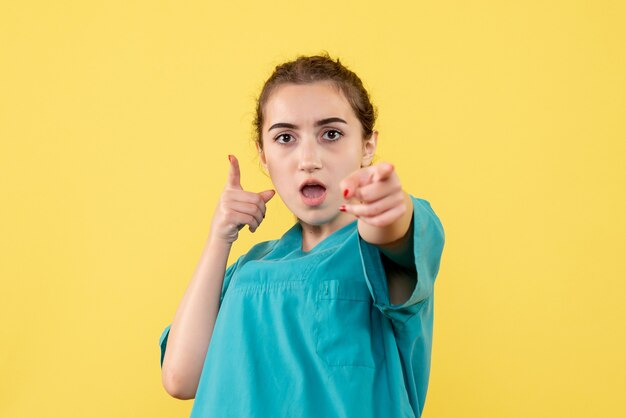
(192, 327)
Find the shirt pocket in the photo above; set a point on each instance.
(348, 329)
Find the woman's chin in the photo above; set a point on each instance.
(319, 218)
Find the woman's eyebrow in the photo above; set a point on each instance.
(329, 120)
(318, 123)
(282, 125)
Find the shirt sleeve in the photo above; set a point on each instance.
(228, 274)
(428, 241)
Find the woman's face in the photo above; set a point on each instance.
(311, 135)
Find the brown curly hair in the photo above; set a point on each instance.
(310, 69)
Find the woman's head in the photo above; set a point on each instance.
(315, 127)
(311, 69)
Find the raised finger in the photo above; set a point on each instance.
(234, 176)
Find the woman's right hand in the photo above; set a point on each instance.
(237, 207)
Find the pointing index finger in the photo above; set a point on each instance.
(383, 171)
(365, 176)
(352, 182)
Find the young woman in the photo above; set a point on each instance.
(334, 319)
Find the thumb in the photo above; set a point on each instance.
(234, 178)
(266, 195)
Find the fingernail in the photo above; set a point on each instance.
(342, 208)
(230, 158)
(345, 192)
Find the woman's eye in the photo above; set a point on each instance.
(283, 138)
(332, 135)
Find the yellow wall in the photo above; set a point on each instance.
(116, 119)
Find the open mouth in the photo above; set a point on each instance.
(313, 193)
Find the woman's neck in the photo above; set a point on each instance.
(314, 234)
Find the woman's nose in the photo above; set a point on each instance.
(309, 157)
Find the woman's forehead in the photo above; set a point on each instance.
(307, 103)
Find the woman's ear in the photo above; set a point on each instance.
(261, 156)
(369, 149)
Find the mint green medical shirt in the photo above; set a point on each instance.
(313, 334)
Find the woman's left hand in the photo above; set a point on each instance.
(378, 190)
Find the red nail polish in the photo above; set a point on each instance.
(342, 208)
(345, 192)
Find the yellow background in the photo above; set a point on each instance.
(116, 119)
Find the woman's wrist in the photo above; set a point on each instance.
(390, 235)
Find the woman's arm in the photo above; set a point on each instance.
(385, 214)
(395, 241)
(192, 327)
